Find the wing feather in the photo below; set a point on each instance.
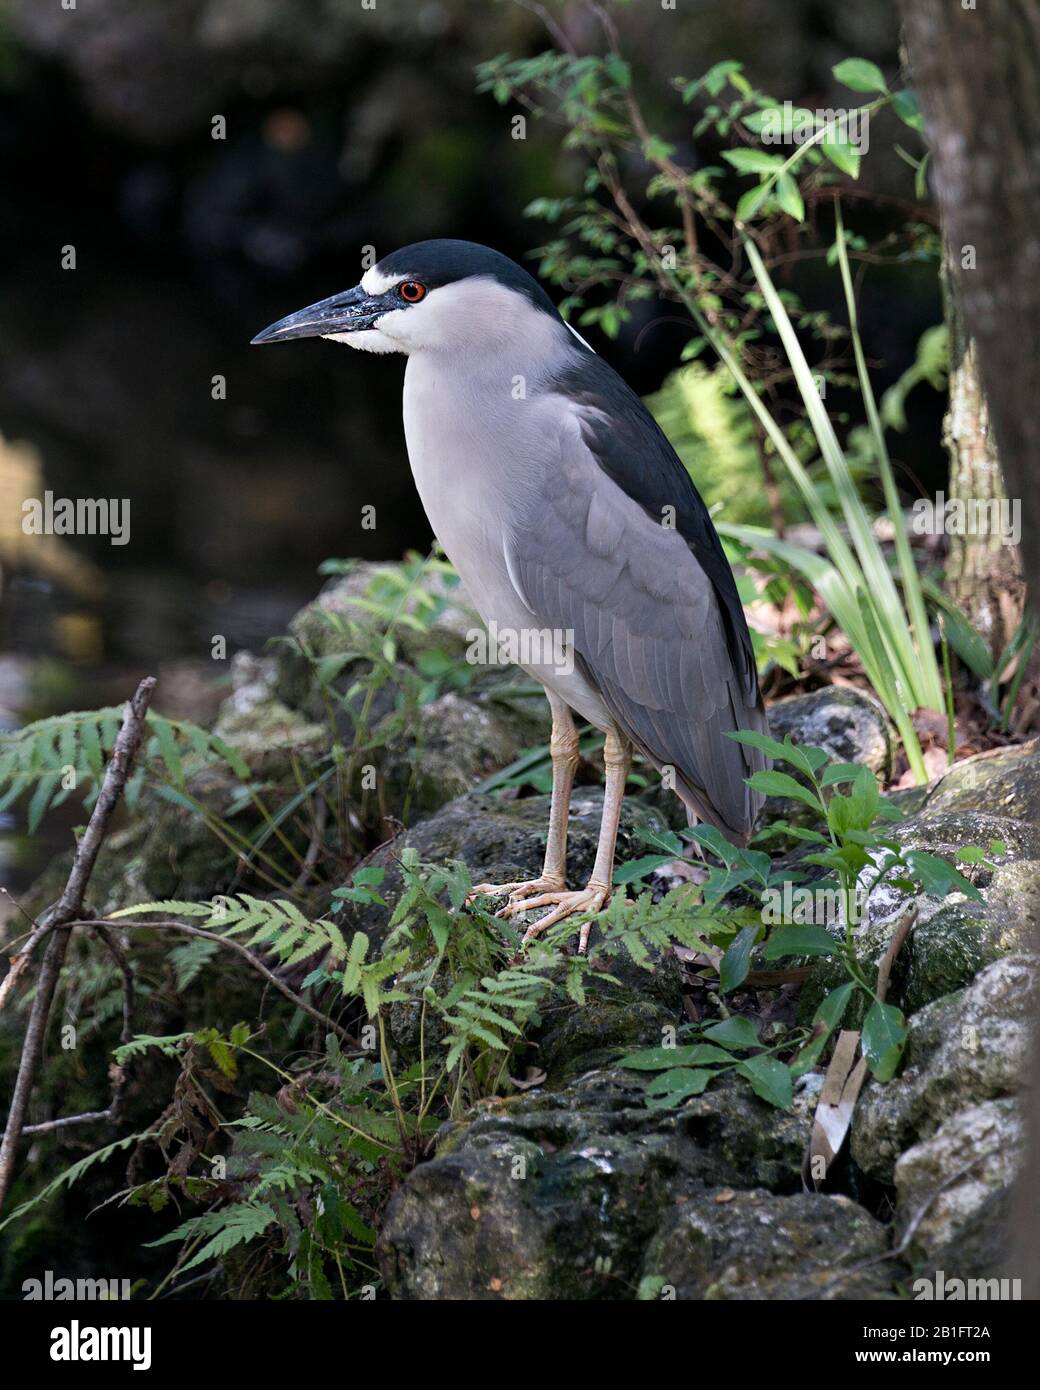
(650, 628)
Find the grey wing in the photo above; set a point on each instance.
(647, 629)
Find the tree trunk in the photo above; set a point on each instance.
(983, 574)
(977, 71)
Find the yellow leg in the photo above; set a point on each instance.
(563, 747)
(617, 758)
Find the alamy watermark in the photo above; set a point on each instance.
(79, 1342)
(943, 1289)
(821, 907)
(52, 1288)
(968, 516)
(796, 125)
(527, 646)
(77, 516)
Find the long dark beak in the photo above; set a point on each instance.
(341, 313)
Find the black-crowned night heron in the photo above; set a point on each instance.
(566, 512)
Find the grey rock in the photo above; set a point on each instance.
(502, 841)
(953, 939)
(966, 1048)
(848, 724)
(458, 739)
(558, 1193)
(323, 629)
(755, 1245)
(955, 1187)
(1005, 782)
(1014, 893)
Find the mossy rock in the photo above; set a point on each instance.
(956, 1187)
(315, 629)
(558, 1192)
(461, 742)
(1004, 782)
(963, 1049)
(943, 953)
(756, 1246)
(952, 940)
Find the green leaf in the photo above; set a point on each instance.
(864, 799)
(169, 906)
(906, 107)
(685, 1084)
(789, 198)
(842, 155)
(737, 960)
(635, 869)
(664, 1058)
(735, 1032)
(938, 878)
(883, 1039)
(714, 840)
(965, 640)
(233, 1225)
(838, 773)
(168, 748)
(800, 941)
(861, 75)
(827, 1017)
(679, 1079)
(750, 203)
(782, 784)
(715, 79)
(771, 747)
(750, 161)
(372, 875)
(618, 70)
(804, 757)
(770, 1079)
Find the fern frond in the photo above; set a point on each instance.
(228, 1227)
(276, 924)
(51, 758)
(169, 1046)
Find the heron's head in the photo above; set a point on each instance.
(439, 295)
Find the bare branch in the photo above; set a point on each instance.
(58, 919)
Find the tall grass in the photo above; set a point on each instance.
(883, 614)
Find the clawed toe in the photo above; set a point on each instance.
(519, 891)
(589, 899)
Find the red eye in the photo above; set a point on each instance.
(411, 291)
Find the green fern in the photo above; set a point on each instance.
(52, 758)
(227, 1227)
(170, 1046)
(276, 924)
(73, 1174)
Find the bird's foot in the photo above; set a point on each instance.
(564, 904)
(517, 892)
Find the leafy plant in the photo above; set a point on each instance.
(438, 1016)
(53, 758)
(861, 858)
(687, 1069)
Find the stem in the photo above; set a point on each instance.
(60, 919)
